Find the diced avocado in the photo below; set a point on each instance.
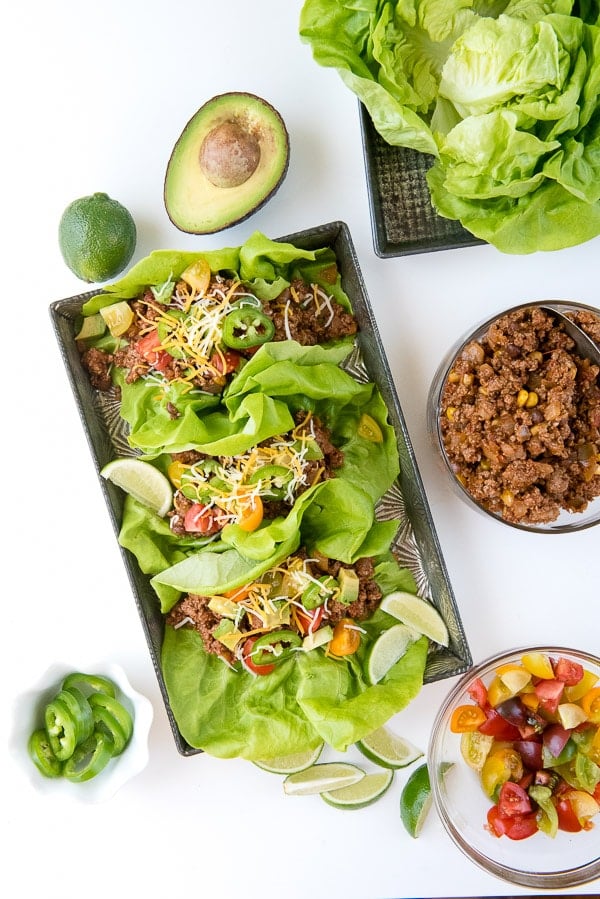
(229, 160)
(91, 326)
(227, 634)
(319, 638)
(349, 585)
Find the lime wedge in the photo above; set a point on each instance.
(387, 649)
(142, 481)
(291, 764)
(415, 800)
(388, 750)
(321, 778)
(362, 793)
(418, 614)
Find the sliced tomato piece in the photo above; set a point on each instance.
(513, 800)
(567, 819)
(226, 361)
(309, 621)
(148, 347)
(204, 520)
(549, 693)
(477, 690)
(570, 673)
(518, 827)
(251, 515)
(496, 726)
(466, 718)
(248, 662)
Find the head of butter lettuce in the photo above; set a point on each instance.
(504, 96)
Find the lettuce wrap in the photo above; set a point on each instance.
(308, 698)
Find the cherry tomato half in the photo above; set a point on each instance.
(309, 622)
(248, 662)
(570, 673)
(201, 519)
(513, 800)
(466, 718)
(519, 827)
(590, 703)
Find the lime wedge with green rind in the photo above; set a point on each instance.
(388, 649)
(291, 764)
(142, 481)
(364, 792)
(415, 800)
(416, 613)
(389, 750)
(322, 777)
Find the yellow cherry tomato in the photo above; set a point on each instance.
(175, 471)
(500, 765)
(538, 664)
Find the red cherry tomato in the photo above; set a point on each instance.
(204, 520)
(226, 361)
(249, 663)
(570, 673)
(309, 621)
(513, 800)
(567, 819)
(518, 827)
(478, 693)
(147, 347)
(549, 693)
(496, 726)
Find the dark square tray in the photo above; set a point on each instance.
(416, 544)
(403, 219)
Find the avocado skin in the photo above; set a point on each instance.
(197, 206)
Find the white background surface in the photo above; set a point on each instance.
(94, 97)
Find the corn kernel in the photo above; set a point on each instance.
(522, 397)
(532, 400)
(453, 377)
(508, 497)
(450, 412)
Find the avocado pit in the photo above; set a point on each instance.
(229, 155)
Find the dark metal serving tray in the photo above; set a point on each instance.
(403, 219)
(416, 544)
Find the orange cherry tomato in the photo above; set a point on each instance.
(590, 703)
(251, 515)
(466, 718)
(346, 638)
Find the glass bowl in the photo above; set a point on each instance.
(489, 409)
(27, 715)
(540, 861)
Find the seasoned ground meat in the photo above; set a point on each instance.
(520, 419)
(97, 363)
(305, 314)
(302, 312)
(192, 611)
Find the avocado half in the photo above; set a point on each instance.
(230, 158)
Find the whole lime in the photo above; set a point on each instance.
(97, 237)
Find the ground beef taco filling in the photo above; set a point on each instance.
(201, 335)
(520, 418)
(290, 601)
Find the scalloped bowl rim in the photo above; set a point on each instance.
(26, 712)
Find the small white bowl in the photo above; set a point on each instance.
(27, 715)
